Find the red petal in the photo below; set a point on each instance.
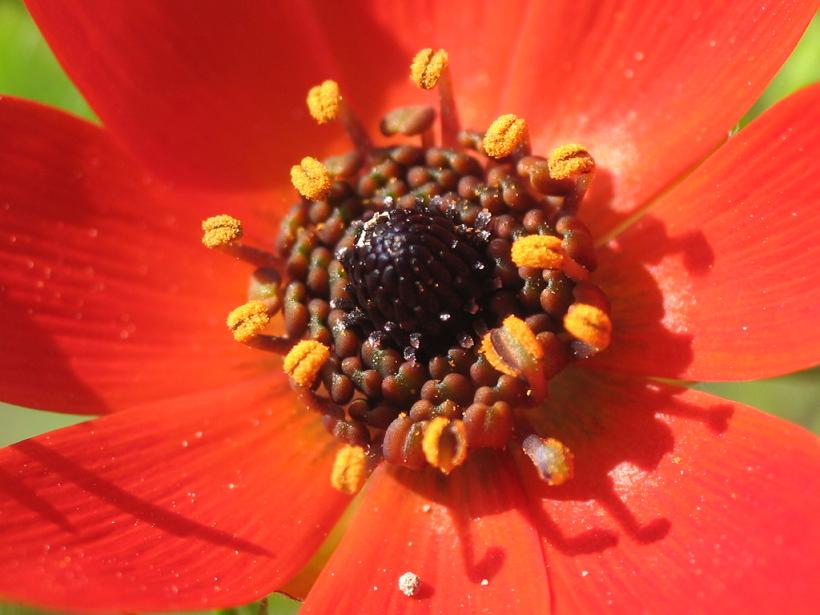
(202, 502)
(681, 502)
(466, 537)
(721, 280)
(108, 298)
(650, 87)
(197, 93)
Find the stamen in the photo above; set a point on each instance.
(349, 469)
(220, 230)
(568, 161)
(323, 101)
(505, 134)
(445, 443)
(248, 320)
(224, 232)
(410, 121)
(513, 349)
(538, 251)
(551, 458)
(428, 70)
(325, 104)
(310, 178)
(304, 361)
(590, 324)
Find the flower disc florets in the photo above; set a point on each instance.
(441, 289)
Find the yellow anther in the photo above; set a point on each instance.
(349, 469)
(304, 361)
(310, 178)
(444, 443)
(220, 231)
(589, 324)
(512, 348)
(427, 67)
(248, 320)
(505, 134)
(323, 101)
(569, 161)
(539, 251)
(551, 458)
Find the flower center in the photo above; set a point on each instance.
(428, 293)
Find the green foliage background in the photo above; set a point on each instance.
(29, 70)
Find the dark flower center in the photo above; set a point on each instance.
(429, 294)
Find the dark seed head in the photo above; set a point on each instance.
(415, 272)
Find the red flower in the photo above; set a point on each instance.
(207, 486)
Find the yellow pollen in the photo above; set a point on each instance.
(220, 230)
(539, 251)
(589, 324)
(517, 335)
(304, 361)
(569, 161)
(248, 320)
(445, 443)
(427, 67)
(323, 101)
(349, 469)
(504, 135)
(310, 178)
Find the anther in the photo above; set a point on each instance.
(304, 361)
(553, 461)
(224, 233)
(248, 320)
(323, 101)
(513, 349)
(506, 134)
(218, 231)
(538, 251)
(310, 178)
(445, 443)
(430, 69)
(326, 104)
(349, 469)
(569, 161)
(590, 324)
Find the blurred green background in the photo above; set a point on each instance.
(29, 70)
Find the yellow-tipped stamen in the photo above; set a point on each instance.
(304, 361)
(589, 324)
(570, 161)
(349, 469)
(324, 101)
(326, 104)
(551, 458)
(445, 443)
(538, 251)
(224, 233)
(429, 69)
(221, 230)
(513, 349)
(310, 178)
(248, 320)
(507, 133)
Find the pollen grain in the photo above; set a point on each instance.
(538, 251)
(569, 161)
(248, 320)
(323, 101)
(310, 178)
(427, 67)
(220, 230)
(349, 469)
(304, 361)
(589, 324)
(506, 133)
(445, 443)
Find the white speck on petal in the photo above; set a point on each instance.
(409, 584)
